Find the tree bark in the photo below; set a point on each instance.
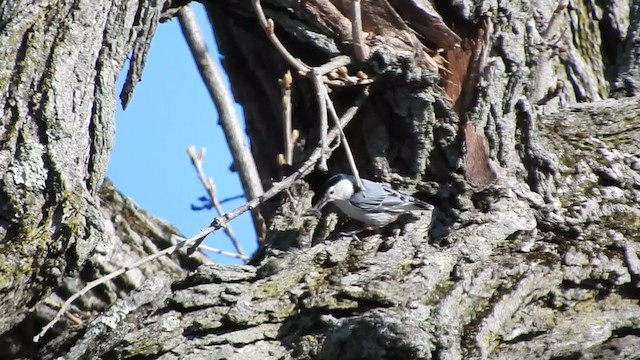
(542, 262)
(58, 68)
(58, 107)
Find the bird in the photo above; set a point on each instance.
(376, 205)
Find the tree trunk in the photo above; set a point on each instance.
(59, 227)
(530, 253)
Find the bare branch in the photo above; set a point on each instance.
(199, 236)
(345, 143)
(323, 97)
(268, 27)
(361, 49)
(288, 181)
(341, 77)
(231, 198)
(75, 319)
(196, 160)
(314, 73)
(285, 87)
(212, 77)
(333, 64)
(222, 252)
(324, 127)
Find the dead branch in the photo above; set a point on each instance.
(196, 161)
(285, 88)
(333, 64)
(361, 49)
(201, 235)
(222, 252)
(212, 77)
(314, 73)
(298, 174)
(268, 26)
(345, 144)
(324, 127)
(323, 99)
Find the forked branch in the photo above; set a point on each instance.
(196, 161)
(300, 173)
(212, 77)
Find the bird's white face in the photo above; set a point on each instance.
(342, 190)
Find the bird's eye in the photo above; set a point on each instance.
(331, 192)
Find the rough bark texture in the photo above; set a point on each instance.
(58, 68)
(544, 263)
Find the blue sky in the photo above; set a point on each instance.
(171, 110)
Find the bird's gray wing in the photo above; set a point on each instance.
(381, 198)
(377, 198)
(366, 201)
(403, 202)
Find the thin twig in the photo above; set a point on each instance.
(333, 64)
(199, 236)
(285, 87)
(68, 314)
(324, 127)
(288, 181)
(212, 77)
(196, 161)
(222, 252)
(73, 318)
(314, 73)
(323, 97)
(361, 49)
(268, 27)
(231, 198)
(345, 143)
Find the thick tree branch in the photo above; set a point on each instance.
(212, 76)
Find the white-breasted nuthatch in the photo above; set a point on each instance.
(376, 205)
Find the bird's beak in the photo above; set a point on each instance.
(321, 203)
